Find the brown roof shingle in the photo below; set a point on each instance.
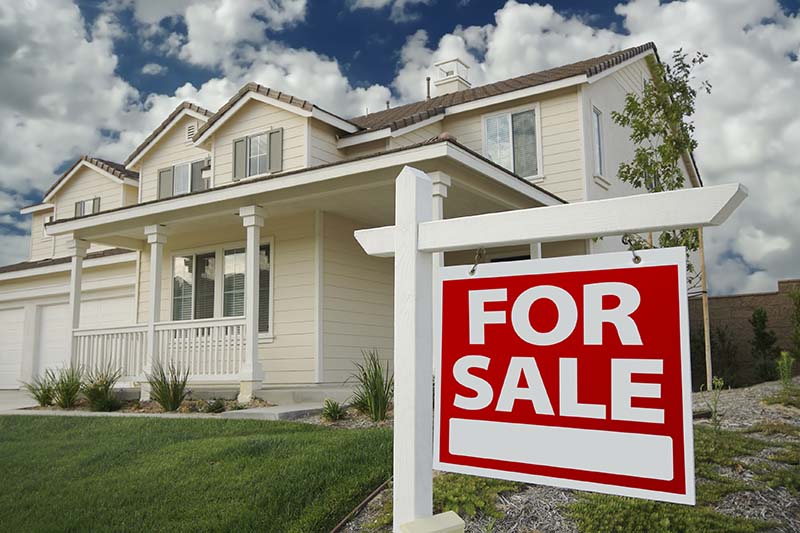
(164, 124)
(26, 265)
(401, 116)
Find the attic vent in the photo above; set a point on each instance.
(191, 129)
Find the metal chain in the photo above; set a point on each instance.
(627, 240)
(479, 254)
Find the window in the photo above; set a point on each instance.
(87, 207)
(183, 178)
(258, 154)
(195, 279)
(597, 132)
(511, 142)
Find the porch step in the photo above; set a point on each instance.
(289, 411)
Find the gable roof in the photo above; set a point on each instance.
(183, 106)
(303, 106)
(405, 115)
(110, 167)
(26, 265)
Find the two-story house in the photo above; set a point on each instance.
(225, 240)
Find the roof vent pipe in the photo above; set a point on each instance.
(387, 104)
(428, 82)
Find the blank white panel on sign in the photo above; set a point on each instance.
(610, 452)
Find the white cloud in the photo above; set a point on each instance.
(153, 69)
(400, 10)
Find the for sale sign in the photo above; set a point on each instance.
(572, 372)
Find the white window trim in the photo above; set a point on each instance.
(597, 114)
(537, 112)
(219, 254)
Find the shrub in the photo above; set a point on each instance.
(763, 346)
(785, 366)
(168, 386)
(216, 405)
(725, 356)
(375, 386)
(717, 384)
(67, 387)
(98, 388)
(795, 296)
(332, 411)
(42, 388)
(470, 495)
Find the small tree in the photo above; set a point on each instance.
(661, 128)
(763, 346)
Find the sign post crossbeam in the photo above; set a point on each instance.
(687, 208)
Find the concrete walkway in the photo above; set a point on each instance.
(11, 400)
(17, 403)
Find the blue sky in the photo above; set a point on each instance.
(97, 77)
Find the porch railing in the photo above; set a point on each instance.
(210, 349)
(122, 348)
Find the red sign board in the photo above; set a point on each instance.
(572, 372)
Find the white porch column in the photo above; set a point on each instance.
(77, 249)
(156, 238)
(413, 414)
(250, 372)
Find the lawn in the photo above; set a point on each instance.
(145, 474)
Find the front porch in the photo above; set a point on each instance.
(262, 284)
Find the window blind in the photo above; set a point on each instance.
(263, 288)
(498, 140)
(233, 283)
(182, 287)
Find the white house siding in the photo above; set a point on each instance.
(42, 246)
(561, 138)
(322, 144)
(290, 357)
(34, 323)
(258, 117)
(357, 300)
(416, 136)
(172, 149)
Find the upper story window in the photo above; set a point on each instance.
(87, 207)
(597, 134)
(258, 154)
(183, 178)
(512, 141)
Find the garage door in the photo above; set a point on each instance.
(53, 337)
(11, 325)
(54, 326)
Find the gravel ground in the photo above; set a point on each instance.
(539, 508)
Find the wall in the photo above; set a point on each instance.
(291, 356)
(322, 144)
(358, 303)
(258, 117)
(561, 138)
(734, 312)
(173, 148)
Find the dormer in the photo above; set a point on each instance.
(168, 161)
(451, 76)
(261, 131)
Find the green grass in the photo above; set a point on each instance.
(137, 474)
(787, 396)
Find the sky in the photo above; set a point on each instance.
(96, 78)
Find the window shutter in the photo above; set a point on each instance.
(78, 206)
(165, 183)
(95, 205)
(276, 150)
(239, 159)
(198, 184)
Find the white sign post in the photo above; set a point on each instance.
(414, 239)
